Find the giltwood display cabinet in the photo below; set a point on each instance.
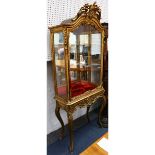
(77, 47)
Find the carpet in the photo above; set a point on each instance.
(83, 137)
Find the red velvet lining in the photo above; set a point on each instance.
(77, 88)
(62, 90)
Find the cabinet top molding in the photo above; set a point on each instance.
(91, 10)
(87, 12)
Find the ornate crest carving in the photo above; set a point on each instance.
(90, 11)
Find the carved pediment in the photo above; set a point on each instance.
(89, 11)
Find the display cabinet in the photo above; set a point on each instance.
(77, 47)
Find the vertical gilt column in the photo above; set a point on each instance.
(53, 60)
(102, 55)
(67, 61)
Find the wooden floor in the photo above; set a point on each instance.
(95, 149)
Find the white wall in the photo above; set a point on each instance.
(57, 11)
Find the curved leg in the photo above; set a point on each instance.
(101, 110)
(88, 114)
(70, 125)
(57, 113)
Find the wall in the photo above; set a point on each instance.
(58, 11)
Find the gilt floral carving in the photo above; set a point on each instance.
(89, 11)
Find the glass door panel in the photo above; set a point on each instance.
(95, 58)
(60, 63)
(85, 59)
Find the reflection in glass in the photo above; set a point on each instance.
(60, 63)
(85, 59)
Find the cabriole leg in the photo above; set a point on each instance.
(57, 113)
(101, 110)
(70, 125)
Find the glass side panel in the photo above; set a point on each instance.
(60, 63)
(95, 58)
(85, 59)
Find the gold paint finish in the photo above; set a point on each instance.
(88, 14)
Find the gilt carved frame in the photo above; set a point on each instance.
(91, 15)
(88, 14)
